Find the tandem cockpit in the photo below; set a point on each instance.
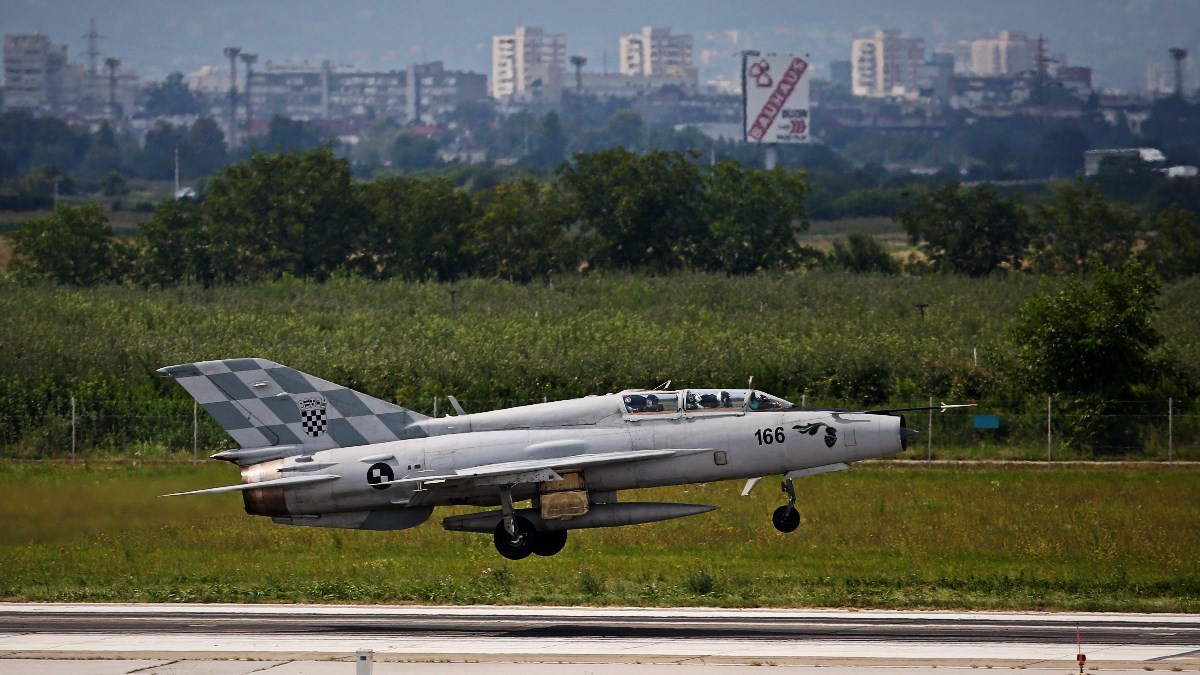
(644, 403)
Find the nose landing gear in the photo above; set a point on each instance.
(786, 518)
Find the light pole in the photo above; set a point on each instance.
(232, 53)
(249, 60)
(579, 62)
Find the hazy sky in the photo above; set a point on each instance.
(1116, 37)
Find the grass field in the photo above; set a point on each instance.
(881, 535)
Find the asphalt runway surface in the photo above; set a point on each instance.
(592, 640)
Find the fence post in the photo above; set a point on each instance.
(195, 431)
(72, 428)
(929, 446)
(435, 398)
(1049, 437)
(1171, 430)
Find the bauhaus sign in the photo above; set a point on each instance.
(775, 99)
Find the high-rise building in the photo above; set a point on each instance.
(655, 51)
(528, 64)
(886, 64)
(34, 73)
(1009, 54)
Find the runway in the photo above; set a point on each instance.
(320, 638)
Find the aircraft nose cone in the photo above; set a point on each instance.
(905, 432)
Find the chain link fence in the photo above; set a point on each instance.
(1049, 430)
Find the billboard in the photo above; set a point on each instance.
(775, 98)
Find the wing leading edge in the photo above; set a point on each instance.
(521, 469)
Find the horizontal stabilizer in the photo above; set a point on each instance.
(245, 456)
(290, 481)
(532, 465)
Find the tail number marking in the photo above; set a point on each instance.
(769, 436)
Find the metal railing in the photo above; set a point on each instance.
(1052, 430)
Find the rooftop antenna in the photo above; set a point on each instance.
(1178, 55)
(232, 53)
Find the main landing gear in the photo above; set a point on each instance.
(786, 518)
(517, 538)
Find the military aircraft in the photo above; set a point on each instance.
(316, 453)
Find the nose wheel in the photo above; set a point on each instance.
(786, 518)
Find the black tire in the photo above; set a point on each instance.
(549, 543)
(516, 548)
(786, 518)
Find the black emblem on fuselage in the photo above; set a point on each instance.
(812, 429)
(379, 475)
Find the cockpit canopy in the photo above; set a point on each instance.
(655, 402)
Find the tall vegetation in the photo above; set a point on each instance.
(971, 231)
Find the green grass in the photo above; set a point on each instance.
(1011, 537)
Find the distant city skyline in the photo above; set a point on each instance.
(1119, 39)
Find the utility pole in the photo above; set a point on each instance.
(249, 60)
(112, 63)
(1178, 55)
(232, 53)
(1041, 73)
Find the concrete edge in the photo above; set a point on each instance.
(1190, 663)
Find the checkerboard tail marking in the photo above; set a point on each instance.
(262, 404)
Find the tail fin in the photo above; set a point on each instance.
(263, 404)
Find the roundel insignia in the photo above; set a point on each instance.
(379, 476)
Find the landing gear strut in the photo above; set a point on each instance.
(786, 518)
(517, 538)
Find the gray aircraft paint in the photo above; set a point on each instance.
(353, 461)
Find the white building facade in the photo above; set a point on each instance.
(528, 63)
(1009, 54)
(886, 64)
(655, 51)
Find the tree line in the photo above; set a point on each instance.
(303, 214)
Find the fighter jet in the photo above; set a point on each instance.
(319, 454)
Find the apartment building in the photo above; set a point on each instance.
(39, 78)
(655, 51)
(886, 64)
(36, 74)
(422, 92)
(1009, 54)
(528, 64)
